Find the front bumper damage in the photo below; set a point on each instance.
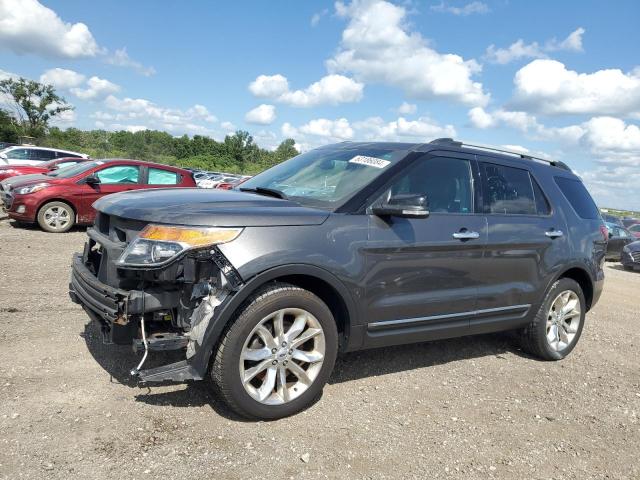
(162, 312)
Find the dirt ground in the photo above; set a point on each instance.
(474, 407)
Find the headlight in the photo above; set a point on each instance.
(31, 188)
(158, 244)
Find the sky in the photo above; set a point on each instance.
(555, 79)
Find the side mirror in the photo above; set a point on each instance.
(406, 205)
(92, 179)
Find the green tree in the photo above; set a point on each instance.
(34, 104)
(8, 127)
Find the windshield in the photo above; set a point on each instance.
(69, 172)
(326, 177)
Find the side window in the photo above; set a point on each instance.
(64, 154)
(18, 154)
(507, 190)
(579, 198)
(42, 155)
(66, 164)
(445, 181)
(158, 176)
(542, 204)
(125, 174)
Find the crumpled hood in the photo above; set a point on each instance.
(205, 207)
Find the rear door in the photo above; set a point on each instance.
(155, 177)
(423, 273)
(113, 179)
(526, 245)
(38, 155)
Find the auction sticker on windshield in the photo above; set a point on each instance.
(369, 161)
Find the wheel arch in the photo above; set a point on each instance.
(582, 278)
(56, 199)
(315, 279)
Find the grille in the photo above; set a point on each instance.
(636, 256)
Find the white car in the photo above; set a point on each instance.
(215, 181)
(30, 155)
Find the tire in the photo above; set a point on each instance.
(66, 217)
(288, 394)
(536, 336)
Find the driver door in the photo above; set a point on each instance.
(423, 273)
(113, 179)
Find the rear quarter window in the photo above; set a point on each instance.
(578, 196)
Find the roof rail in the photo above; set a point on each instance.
(490, 148)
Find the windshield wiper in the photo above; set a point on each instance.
(272, 192)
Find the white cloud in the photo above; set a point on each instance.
(468, 9)
(269, 86)
(614, 186)
(121, 58)
(139, 111)
(228, 126)
(335, 129)
(331, 89)
(546, 86)
(422, 129)
(97, 88)
(64, 119)
(62, 79)
(612, 136)
(315, 19)
(322, 131)
(407, 108)
(572, 43)
(26, 26)
(482, 119)
(378, 47)
(261, 115)
(519, 49)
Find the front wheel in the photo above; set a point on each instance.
(277, 355)
(56, 217)
(555, 330)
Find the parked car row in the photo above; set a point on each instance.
(221, 180)
(624, 245)
(59, 199)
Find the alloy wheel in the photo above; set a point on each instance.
(563, 320)
(57, 217)
(282, 356)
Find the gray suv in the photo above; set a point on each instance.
(346, 247)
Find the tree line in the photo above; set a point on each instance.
(33, 105)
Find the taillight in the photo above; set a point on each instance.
(225, 186)
(604, 232)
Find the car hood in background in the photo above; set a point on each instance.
(24, 179)
(215, 208)
(633, 246)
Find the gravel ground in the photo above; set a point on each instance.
(474, 407)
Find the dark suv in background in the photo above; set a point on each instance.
(346, 247)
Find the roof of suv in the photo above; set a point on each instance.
(450, 143)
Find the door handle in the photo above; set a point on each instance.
(466, 235)
(554, 233)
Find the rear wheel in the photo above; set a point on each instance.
(557, 326)
(56, 217)
(277, 355)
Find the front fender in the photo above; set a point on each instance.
(226, 310)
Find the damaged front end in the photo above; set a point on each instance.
(156, 288)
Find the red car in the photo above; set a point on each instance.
(635, 230)
(57, 203)
(7, 171)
